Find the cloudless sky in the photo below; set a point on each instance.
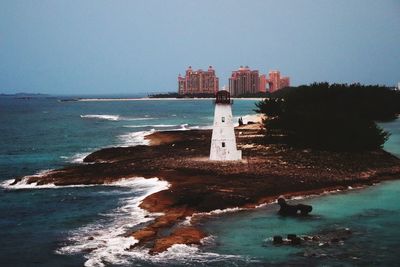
(106, 47)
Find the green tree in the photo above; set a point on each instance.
(330, 117)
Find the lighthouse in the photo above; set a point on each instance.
(223, 140)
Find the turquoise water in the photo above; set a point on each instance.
(372, 214)
(77, 226)
(393, 144)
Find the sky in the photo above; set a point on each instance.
(114, 47)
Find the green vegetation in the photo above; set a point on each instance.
(164, 95)
(337, 117)
(254, 95)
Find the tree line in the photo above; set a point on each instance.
(339, 117)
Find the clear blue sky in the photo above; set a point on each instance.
(74, 46)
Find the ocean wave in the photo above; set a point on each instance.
(182, 127)
(101, 117)
(188, 219)
(114, 117)
(203, 127)
(219, 211)
(180, 254)
(151, 125)
(106, 241)
(23, 183)
(135, 138)
(76, 158)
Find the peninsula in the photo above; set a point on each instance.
(199, 186)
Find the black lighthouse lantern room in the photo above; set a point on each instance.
(223, 97)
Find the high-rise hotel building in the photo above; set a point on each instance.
(244, 81)
(277, 82)
(198, 82)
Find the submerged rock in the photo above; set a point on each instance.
(318, 245)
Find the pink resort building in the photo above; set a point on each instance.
(277, 82)
(246, 81)
(198, 82)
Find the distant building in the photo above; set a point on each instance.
(244, 81)
(277, 82)
(263, 83)
(198, 82)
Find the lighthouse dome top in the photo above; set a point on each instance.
(223, 97)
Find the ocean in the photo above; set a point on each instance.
(86, 225)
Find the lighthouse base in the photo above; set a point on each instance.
(222, 154)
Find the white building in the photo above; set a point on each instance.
(223, 140)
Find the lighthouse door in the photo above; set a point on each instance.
(222, 150)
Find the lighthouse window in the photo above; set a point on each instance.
(223, 119)
(223, 144)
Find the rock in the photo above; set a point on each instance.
(90, 238)
(315, 238)
(304, 209)
(291, 236)
(183, 235)
(277, 239)
(296, 241)
(293, 210)
(144, 234)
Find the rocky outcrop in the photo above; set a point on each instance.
(198, 185)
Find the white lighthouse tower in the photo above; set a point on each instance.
(223, 141)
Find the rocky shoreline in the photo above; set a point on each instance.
(199, 186)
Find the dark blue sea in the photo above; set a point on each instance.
(86, 225)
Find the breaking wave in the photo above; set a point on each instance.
(113, 117)
(152, 125)
(23, 183)
(107, 240)
(135, 138)
(76, 158)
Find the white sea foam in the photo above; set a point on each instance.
(106, 241)
(23, 183)
(76, 158)
(205, 127)
(219, 211)
(135, 138)
(176, 254)
(182, 127)
(114, 117)
(151, 125)
(101, 117)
